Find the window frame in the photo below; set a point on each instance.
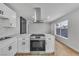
(60, 30)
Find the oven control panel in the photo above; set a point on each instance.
(37, 36)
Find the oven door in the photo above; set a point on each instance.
(37, 45)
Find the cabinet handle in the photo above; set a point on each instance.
(23, 39)
(49, 38)
(10, 24)
(45, 42)
(9, 48)
(2, 13)
(23, 43)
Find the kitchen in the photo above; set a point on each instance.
(23, 38)
(28, 29)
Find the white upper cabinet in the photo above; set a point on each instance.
(7, 16)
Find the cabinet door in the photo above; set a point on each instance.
(9, 50)
(49, 45)
(13, 48)
(8, 13)
(2, 8)
(6, 10)
(21, 45)
(12, 17)
(5, 51)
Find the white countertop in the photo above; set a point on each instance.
(3, 43)
(8, 41)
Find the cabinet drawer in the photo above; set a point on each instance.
(5, 51)
(9, 50)
(14, 48)
(23, 45)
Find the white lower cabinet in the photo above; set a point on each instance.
(49, 45)
(27, 45)
(5, 51)
(9, 50)
(10, 47)
(23, 45)
(14, 48)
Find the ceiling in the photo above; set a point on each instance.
(49, 11)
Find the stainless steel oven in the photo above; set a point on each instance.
(37, 42)
(37, 45)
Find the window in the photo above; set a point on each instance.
(62, 28)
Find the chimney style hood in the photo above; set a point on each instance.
(38, 15)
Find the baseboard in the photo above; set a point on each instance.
(30, 54)
(21, 54)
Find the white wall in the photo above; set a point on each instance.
(39, 28)
(73, 30)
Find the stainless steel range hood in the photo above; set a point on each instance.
(38, 15)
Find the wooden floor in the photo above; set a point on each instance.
(60, 50)
(63, 50)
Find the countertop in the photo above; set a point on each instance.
(8, 41)
(3, 43)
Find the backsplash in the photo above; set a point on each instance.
(39, 28)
